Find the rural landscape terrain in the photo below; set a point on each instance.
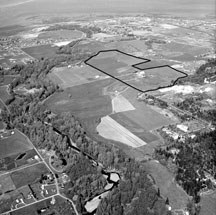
(107, 114)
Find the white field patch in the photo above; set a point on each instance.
(114, 177)
(184, 89)
(93, 204)
(168, 26)
(121, 104)
(110, 129)
(63, 43)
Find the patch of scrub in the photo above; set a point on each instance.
(121, 104)
(110, 129)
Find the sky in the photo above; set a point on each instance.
(11, 9)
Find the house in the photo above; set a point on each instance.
(182, 127)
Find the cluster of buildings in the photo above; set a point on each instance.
(34, 192)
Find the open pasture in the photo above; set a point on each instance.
(155, 75)
(149, 64)
(6, 183)
(109, 65)
(73, 76)
(144, 116)
(85, 101)
(42, 51)
(114, 62)
(28, 175)
(60, 34)
(155, 78)
(14, 144)
(133, 127)
(185, 48)
(110, 129)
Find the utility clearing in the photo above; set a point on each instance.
(110, 129)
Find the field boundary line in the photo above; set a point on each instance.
(145, 60)
(16, 170)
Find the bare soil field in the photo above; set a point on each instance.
(42, 51)
(85, 101)
(110, 129)
(121, 104)
(73, 76)
(14, 144)
(28, 175)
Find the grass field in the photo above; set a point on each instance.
(155, 78)
(147, 65)
(114, 62)
(144, 116)
(18, 160)
(109, 65)
(185, 48)
(14, 144)
(85, 101)
(42, 51)
(110, 129)
(6, 183)
(119, 65)
(69, 77)
(28, 175)
(61, 34)
(168, 187)
(208, 204)
(4, 95)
